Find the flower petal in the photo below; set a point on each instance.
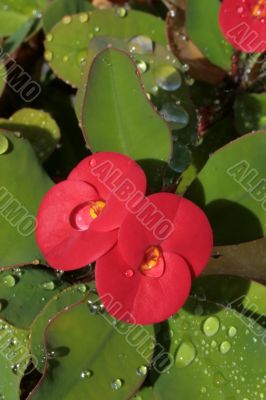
(63, 245)
(192, 237)
(245, 31)
(130, 296)
(116, 177)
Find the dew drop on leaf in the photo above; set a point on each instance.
(140, 44)
(211, 326)
(66, 19)
(48, 285)
(9, 281)
(86, 374)
(232, 331)
(167, 77)
(48, 55)
(83, 17)
(175, 115)
(219, 379)
(225, 347)
(4, 144)
(49, 37)
(117, 384)
(121, 12)
(142, 370)
(185, 354)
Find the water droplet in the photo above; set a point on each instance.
(129, 273)
(2, 396)
(232, 331)
(185, 67)
(15, 368)
(48, 285)
(121, 12)
(185, 354)
(189, 80)
(142, 66)
(86, 374)
(82, 288)
(211, 326)
(49, 37)
(67, 19)
(97, 29)
(140, 44)
(83, 17)
(9, 281)
(117, 384)
(92, 162)
(167, 77)
(213, 343)
(225, 347)
(65, 59)
(219, 379)
(4, 144)
(172, 13)
(175, 115)
(37, 14)
(142, 370)
(35, 262)
(82, 56)
(48, 55)
(203, 389)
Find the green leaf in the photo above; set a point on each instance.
(238, 293)
(213, 348)
(203, 28)
(56, 304)
(145, 393)
(231, 190)
(66, 44)
(16, 39)
(250, 111)
(38, 127)
(13, 14)
(94, 354)
(23, 185)
(130, 124)
(59, 8)
(14, 358)
(24, 293)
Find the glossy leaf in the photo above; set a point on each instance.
(56, 304)
(95, 357)
(230, 188)
(14, 358)
(24, 293)
(66, 44)
(59, 8)
(13, 14)
(23, 185)
(134, 127)
(203, 29)
(213, 347)
(38, 127)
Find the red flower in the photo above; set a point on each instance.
(243, 23)
(146, 277)
(78, 219)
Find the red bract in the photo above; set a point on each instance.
(146, 277)
(243, 23)
(79, 217)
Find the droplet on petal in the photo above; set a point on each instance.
(129, 273)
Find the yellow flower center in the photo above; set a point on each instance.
(151, 259)
(96, 208)
(259, 10)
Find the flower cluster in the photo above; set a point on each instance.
(147, 248)
(243, 23)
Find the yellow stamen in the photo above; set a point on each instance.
(96, 208)
(259, 10)
(151, 258)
